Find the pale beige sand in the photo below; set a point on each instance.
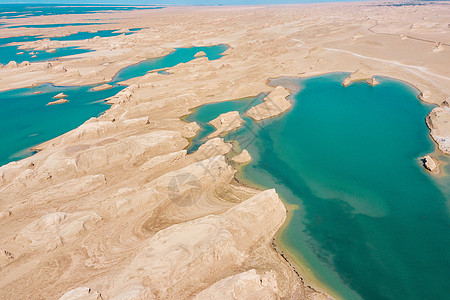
(243, 157)
(102, 87)
(225, 123)
(430, 164)
(273, 105)
(116, 207)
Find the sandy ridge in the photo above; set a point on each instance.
(118, 198)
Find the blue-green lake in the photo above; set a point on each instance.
(20, 10)
(10, 52)
(371, 223)
(26, 120)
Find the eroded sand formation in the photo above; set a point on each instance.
(117, 208)
(439, 123)
(225, 123)
(243, 157)
(274, 104)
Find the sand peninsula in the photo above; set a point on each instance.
(116, 209)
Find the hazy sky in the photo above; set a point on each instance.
(171, 2)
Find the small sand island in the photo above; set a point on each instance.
(102, 87)
(60, 96)
(430, 164)
(200, 54)
(274, 104)
(59, 101)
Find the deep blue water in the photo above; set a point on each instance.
(371, 223)
(26, 120)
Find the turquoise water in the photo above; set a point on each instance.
(206, 113)
(17, 39)
(371, 223)
(54, 25)
(181, 55)
(9, 53)
(84, 35)
(26, 120)
(10, 11)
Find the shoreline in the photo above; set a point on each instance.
(296, 262)
(222, 98)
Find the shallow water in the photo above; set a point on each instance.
(371, 223)
(53, 25)
(26, 120)
(9, 11)
(10, 53)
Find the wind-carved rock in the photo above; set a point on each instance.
(438, 47)
(243, 158)
(81, 293)
(200, 54)
(225, 123)
(372, 81)
(438, 120)
(430, 164)
(274, 104)
(358, 75)
(52, 230)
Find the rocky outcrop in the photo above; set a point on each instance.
(59, 101)
(248, 285)
(438, 47)
(133, 149)
(225, 123)
(438, 120)
(200, 54)
(205, 248)
(60, 96)
(81, 293)
(358, 75)
(274, 104)
(372, 81)
(424, 95)
(102, 87)
(52, 230)
(242, 158)
(11, 65)
(430, 164)
(190, 130)
(213, 147)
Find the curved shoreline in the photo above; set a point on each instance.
(308, 72)
(297, 261)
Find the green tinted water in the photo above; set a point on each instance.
(26, 120)
(10, 52)
(371, 223)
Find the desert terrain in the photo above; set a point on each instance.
(117, 209)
